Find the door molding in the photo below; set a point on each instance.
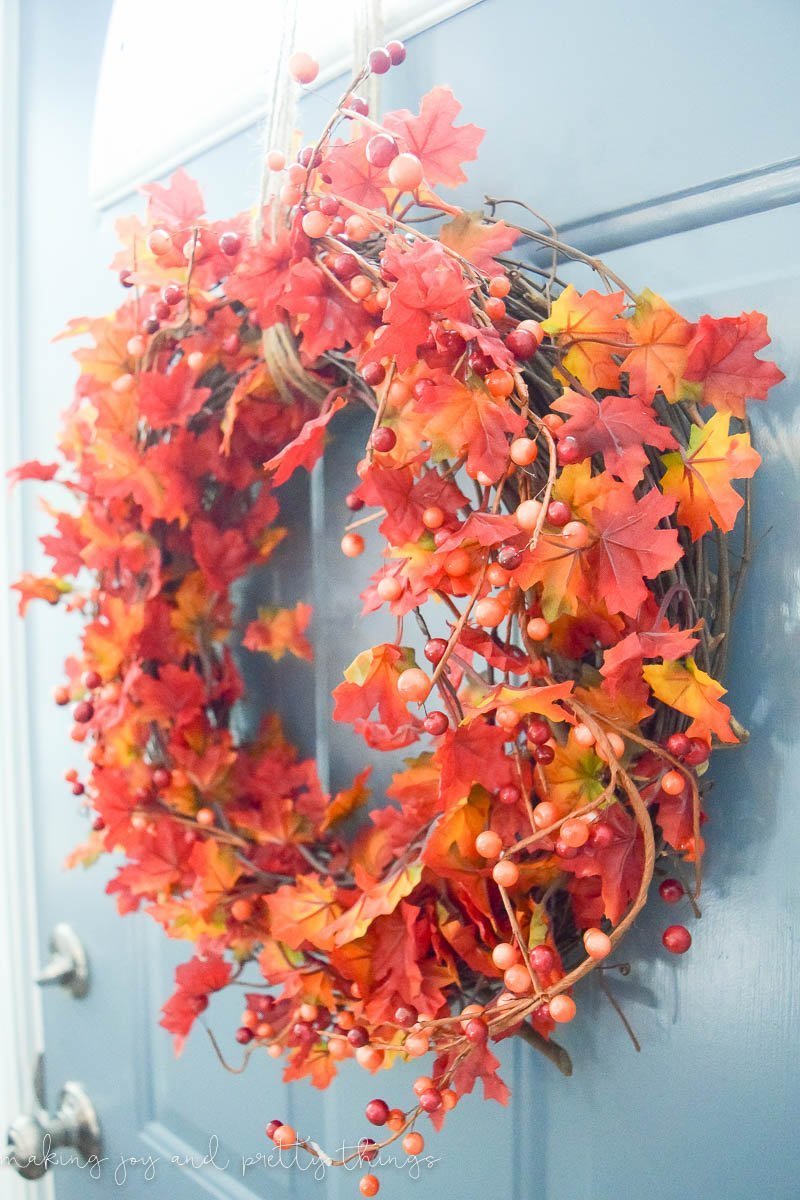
(20, 1006)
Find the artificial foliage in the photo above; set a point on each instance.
(553, 473)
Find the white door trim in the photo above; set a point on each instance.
(20, 1006)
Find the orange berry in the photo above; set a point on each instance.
(500, 383)
(396, 1120)
(576, 535)
(499, 286)
(413, 684)
(406, 172)
(489, 612)
(290, 193)
(303, 68)
(123, 383)
(159, 242)
(205, 816)
(545, 814)
(315, 224)
(458, 563)
(524, 451)
(496, 575)
(574, 833)
(537, 629)
(264, 1030)
(488, 844)
(517, 979)
(504, 955)
(449, 1099)
(369, 1057)
(195, 360)
(413, 1143)
(136, 346)
(423, 1083)
(527, 514)
(433, 517)
(398, 393)
(360, 286)
(494, 308)
(562, 1008)
(285, 1136)
(583, 735)
(339, 1047)
(369, 1185)
(357, 228)
(505, 873)
(673, 783)
(275, 1050)
(352, 545)
(417, 1044)
(506, 717)
(275, 160)
(249, 1019)
(597, 943)
(242, 910)
(308, 1012)
(389, 588)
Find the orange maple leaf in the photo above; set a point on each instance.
(589, 329)
(480, 242)
(280, 629)
(684, 687)
(661, 337)
(303, 911)
(699, 477)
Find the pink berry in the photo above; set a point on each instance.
(381, 149)
(379, 62)
(303, 68)
(397, 53)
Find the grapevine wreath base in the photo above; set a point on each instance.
(552, 472)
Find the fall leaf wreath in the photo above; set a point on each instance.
(552, 472)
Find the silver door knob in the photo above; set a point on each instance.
(34, 1138)
(68, 966)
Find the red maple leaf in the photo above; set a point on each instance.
(432, 136)
(353, 177)
(618, 865)
(468, 420)
(262, 274)
(170, 399)
(179, 203)
(478, 241)
(221, 554)
(722, 358)
(33, 469)
(487, 529)
(430, 286)
(631, 548)
(618, 427)
(195, 981)
(306, 448)
(325, 318)
(470, 754)
(405, 498)
(370, 683)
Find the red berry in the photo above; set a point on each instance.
(230, 243)
(77, 788)
(671, 891)
(430, 1100)
(509, 557)
(384, 439)
(379, 62)
(172, 294)
(569, 451)
(272, 1127)
(377, 1112)
(367, 1149)
(244, 1035)
(125, 278)
(161, 310)
(162, 778)
(678, 744)
(558, 513)
(151, 324)
(522, 344)
(436, 723)
(373, 374)
(381, 149)
(538, 732)
(98, 825)
(697, 753)
(358, 105)
(509, 794)
(479, 363)
(397, 52)
(92, 680)
(357, 1036)
(83, 712)
(601, 836)
(676, 939)
(406, 1016)
(434, 649)
(344, 266)
(353, 502)
(542, 960)
(476, 1031)
(565, 851)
